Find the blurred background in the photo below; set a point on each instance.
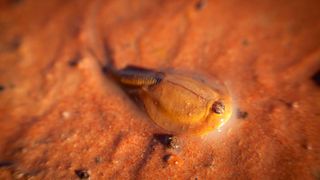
(62, 118)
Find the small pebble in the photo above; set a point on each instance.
(82, 173)
(171, 159)
(66, 114)
(295, 105)
(168, 140)
(75, 60)
(308, 146)
(18, 175)
(166, 157)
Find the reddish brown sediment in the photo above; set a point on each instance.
(61, 118)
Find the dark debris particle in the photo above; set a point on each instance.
(316, 174)
(292, 104)
(16, 42)
(306, 145)
(245, 42)
(200, 4)
(15, 1)
(168, 140)
(1, 87)
(13, 44)
(166, 157)
(75, 60)
(98, 159)
(171, 159)
(316, 78)
(82, 173)
(5, 164)
(242, 114)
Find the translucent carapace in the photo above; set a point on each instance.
(179, 103)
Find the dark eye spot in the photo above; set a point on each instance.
(218, 107)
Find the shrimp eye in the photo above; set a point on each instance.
(218, 107)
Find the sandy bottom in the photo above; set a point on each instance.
(62, 118)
